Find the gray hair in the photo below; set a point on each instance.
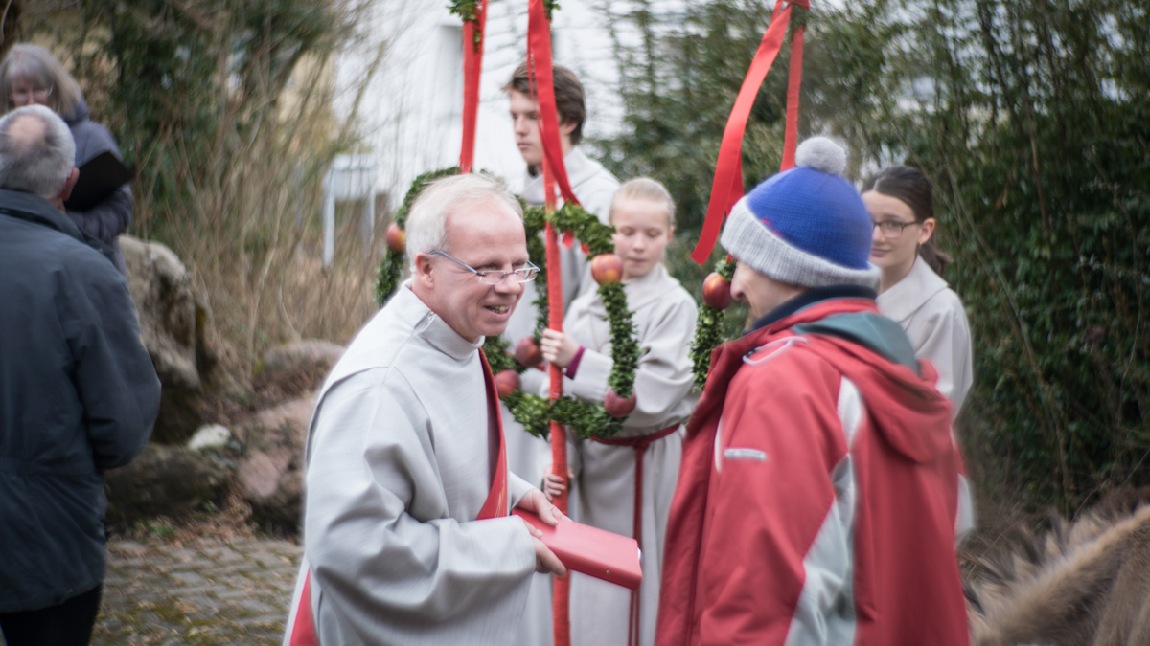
(426, 224)
(37, 65)
(645, 188)
(38, 165)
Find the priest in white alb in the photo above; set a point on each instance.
(407, 538)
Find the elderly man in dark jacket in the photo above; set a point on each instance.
(78, 393)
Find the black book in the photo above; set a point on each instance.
(99, 176)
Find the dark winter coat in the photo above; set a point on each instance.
(107, 220)
(78, 395)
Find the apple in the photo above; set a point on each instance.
(716, 291)
(607, 268)
(618, 406)
(506, 382)
(396, 238)
(527, 352)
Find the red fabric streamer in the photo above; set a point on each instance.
(473, 39)
(303, 628)
(540, 70)
(794, 81)
(548, 174)
(555, 322)
(561, 590)
(727, 186)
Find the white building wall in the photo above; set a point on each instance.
(410, 113)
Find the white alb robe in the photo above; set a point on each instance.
(665, 316)
(400, 461)
(935, 322)
(528, 455)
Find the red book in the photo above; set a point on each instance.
(590, 550)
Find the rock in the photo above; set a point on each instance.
(192, 461)
(162, 290)
(308, 355)
(290, 370)
(175, 327)
(165, 480)
(270, 473)
(211, 437)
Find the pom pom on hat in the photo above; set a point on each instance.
(822, 154)
(805, 226)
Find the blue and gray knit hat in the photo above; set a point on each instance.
(805, 226)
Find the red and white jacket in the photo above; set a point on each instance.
(819, 493)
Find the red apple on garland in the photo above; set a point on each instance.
(607, 268)
(617, 406)
(396, 238)
(506, 382)
(716, 291)
(528, 353)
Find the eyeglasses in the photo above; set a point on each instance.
(892, 228)
(28, 95)
(524, 274)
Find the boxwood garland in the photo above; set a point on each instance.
(534, 412)
(467, 11)
(391, 267)
(709, 330)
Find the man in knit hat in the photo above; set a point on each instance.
(820, 488)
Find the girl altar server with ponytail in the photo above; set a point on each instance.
(911, 289)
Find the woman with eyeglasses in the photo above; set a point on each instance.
(31, 74)
(911, 289)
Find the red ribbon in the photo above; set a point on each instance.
(794, 81)
(539, 67)
(539, 70)
(561, 588)
(496, 504)
(727, 186)
(303, 631)
(555, 322)
(473, 37)
(640, 444)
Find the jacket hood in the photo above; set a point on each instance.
(78, 113)
(913, 416)
(873, 352)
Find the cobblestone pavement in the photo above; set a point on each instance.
(201, 592)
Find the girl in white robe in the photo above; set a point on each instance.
(911, 290)
(530, 456)
(603, 491)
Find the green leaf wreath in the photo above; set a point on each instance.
(709, 330)
(465, 9)
(533, 411)
(391, 267)
(468, 10)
